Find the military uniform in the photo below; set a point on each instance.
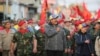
(41, 41)
(94, 35)
(24, 43)
(69, 42)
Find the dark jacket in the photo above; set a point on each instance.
(81, 46)
(55, 40)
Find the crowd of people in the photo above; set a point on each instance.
(67, 38)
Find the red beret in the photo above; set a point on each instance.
(60, 21)
(77, 23)
(30, 21)
(21, 22)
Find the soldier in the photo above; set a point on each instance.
(25, 40)
(95, 33)
(31, 25)
(69, 30)
(41, 39)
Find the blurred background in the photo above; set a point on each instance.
(28, 9)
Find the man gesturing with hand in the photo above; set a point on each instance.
(55, 40)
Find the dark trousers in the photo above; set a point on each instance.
(54, 53)
(0, 53)
(83, 55)
(15, 52)
(67, 54)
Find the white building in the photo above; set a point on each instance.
(24, 8)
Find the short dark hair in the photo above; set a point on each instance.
(5, 22)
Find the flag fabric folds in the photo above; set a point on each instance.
(43, 15)
(84, 12)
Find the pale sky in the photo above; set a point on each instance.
(91, 4)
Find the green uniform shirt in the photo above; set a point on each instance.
(24, 43)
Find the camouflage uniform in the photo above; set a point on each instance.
(41, 39)
(24, 43)
(69, 43)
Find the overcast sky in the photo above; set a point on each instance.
(91, 4)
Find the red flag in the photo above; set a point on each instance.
(75, 11)
(98, 14)
(43, 15)
(84, 12)
(43, 12)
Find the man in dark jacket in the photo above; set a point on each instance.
(83, 42)
(55, 40)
